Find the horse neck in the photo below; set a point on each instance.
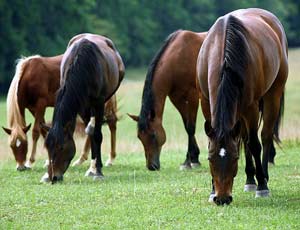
(159, 102)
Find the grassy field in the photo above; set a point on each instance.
(130, 197)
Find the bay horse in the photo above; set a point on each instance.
(34, 87)
(242, 70)
(172, 73)
(91, 72)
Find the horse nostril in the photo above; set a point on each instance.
(230, 199)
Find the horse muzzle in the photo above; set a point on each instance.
(222, 200)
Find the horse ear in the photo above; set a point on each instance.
(7, 130)
(133, 117)
(44, 127)
(208, 129)
(26, 129)
(236, 130)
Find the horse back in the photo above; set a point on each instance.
(176, 69)
(109, 61)
(40, 81)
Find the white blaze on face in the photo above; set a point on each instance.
(18, 143)
(222, 152)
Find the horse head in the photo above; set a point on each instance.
(223, 161)
(152, 137)
(61, 149)
(19, 144)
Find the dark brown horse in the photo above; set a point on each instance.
(172, 73)
(242, 69)
(34, 87)
(91, 72)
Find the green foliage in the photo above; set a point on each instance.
(137, 27)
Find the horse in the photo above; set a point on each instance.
(91, 72)
(34, 87)
(242, 69)
(172, 73)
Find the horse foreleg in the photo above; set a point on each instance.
(188, 108)
(36, 131)
(96, 141)
(250, 185)
(254, 146)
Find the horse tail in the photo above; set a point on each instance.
(148, 97)
(13, 109)
(231, 77)
(278, 120)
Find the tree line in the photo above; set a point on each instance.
(137, 27)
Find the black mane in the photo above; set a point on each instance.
(232, 76)
(73, 95)
(147, 109)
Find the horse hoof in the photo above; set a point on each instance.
(108, 163)
(28, 165)
(185, 167)
(195, 165)
(89, 173)
(262, 193)
(98, 176)
(78, 162)
(211, 197)
(45, 178)
(250, 188)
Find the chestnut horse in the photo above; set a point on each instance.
(34, 87)
(172, 73)
(91, 72)
(242, 69)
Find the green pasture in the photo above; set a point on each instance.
(131, 197)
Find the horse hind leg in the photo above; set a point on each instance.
(270, 117)
(112, 124)
(84, 156)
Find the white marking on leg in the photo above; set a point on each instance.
(46, 164)
(222, 152)
(28, 164)
(90, 127)
(92, 170)
(18, 143)
(45, 178)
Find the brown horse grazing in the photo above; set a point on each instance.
(242, 69)
(172, 73)
(91, 72)
(34, 87)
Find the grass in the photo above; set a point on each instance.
(130, 197)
